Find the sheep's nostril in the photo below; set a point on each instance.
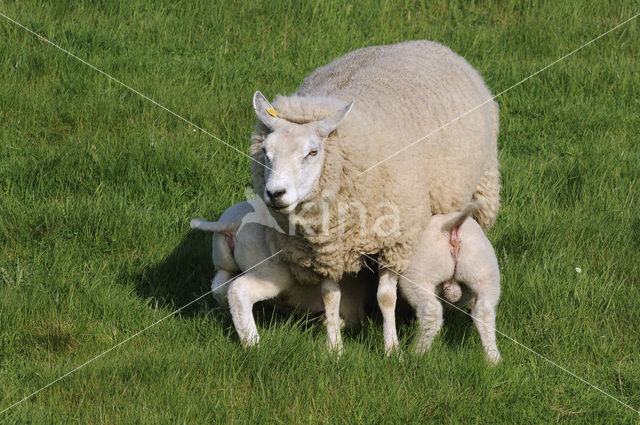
(276, 194)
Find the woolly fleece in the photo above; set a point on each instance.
(402, 93)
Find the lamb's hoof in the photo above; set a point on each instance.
(250, 341)
(421, 348)
(222, 302)
(220, 295)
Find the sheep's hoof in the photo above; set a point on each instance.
(335, 347)
(493, 357)
(394, 353)
(392, 349)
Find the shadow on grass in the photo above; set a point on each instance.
(455, 328)
(186, 274)
(183, 276)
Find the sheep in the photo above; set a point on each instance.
(238, 244)
(343, 165)
(453, 248)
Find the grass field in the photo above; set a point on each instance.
(98, 186)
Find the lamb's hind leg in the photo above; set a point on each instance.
(428, 309)
(262, 283)
(429, 314)
(484, 317)
(220, 287)
(387, 296)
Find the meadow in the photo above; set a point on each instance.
(98, 184)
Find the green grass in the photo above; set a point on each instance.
(98, 185)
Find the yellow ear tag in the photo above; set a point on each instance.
(272, 112)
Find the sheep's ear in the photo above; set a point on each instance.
(265, 111)
(333, 121)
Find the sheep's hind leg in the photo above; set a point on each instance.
(331, 299)
(484, 317)
(261, 283)
(387, 296)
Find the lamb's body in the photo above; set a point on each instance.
(238, 247)
(435, 262)
(402, 93)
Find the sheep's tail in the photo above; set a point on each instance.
(215, 226)
(488, 191)
(466, 211)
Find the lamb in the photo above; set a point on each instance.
(454, 249)
(238, 245)
(343, 165)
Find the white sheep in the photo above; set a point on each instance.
(349, 178)
(454, 249)
(238, 244)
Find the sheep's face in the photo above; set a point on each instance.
(293, 155)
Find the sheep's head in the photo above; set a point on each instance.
(294, 155)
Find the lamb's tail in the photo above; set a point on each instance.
(466, 211)
(451, 290)
(215, 226)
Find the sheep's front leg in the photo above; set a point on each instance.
(261, 283)
(387, 295)
(331, 299)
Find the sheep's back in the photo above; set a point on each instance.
(403, 93)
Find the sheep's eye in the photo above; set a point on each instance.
(266, 157)
(313, 152)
